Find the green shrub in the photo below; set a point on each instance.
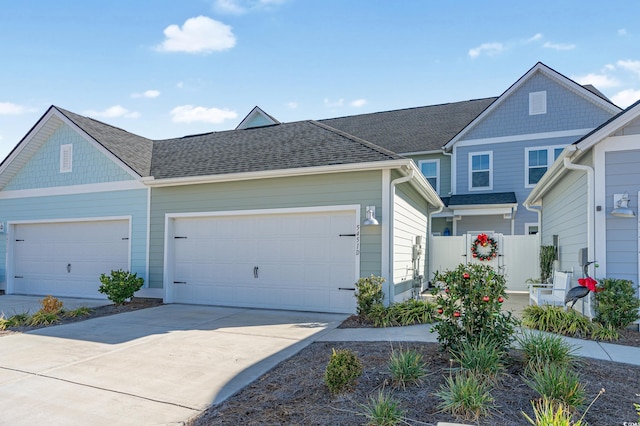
(43, 318)
(481, 357)
(369, 294)
(617, 304)
(470, 307)
(547, 256)
(413, 311)
(543, 349)
(551, 413)
(465, 395)
(604, 332)
(342, 371)
(120, 286)
(14, 321)
(557, 383)
(82, 311)
(383, 410)
(407, 367)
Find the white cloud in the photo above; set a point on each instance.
(240, 7)
(190, 114)
(146, 94)
(8, 108)
(180, 85)
(601, 81)
(629, 65)
(559, 46)
(335, 104)
(622, 32)
(292, 105)
(113, 112)
(536, 37)
(358, 103)
(198, 35)
(626, 97)
(489, 49)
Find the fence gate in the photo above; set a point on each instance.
(517, 256)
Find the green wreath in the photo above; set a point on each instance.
(484, 241)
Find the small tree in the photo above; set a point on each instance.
(120, 286)
(547, 256)
(470, 307)
(616, 303)
(369, 294)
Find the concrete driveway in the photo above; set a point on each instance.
(157, 366)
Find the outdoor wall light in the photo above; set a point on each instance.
(371, 216)
(621, 206)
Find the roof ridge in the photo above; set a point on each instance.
(361, 141)
(67, 114)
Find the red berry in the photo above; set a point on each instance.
(486, 298)
(456, 314)
(465, 275)
(440, 310)
(446, 290)
(500, 299)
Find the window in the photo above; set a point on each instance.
(431, 171)
(537, 161)
(537, 103)
(480, 170)
(66, 158)
(531, 228)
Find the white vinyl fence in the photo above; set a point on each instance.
(517, 256)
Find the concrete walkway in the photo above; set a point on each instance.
(424, 333)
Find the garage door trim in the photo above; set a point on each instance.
(171, 217)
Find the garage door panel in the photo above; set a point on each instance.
(67, 258)
(300, 258)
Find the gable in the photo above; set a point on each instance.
(633, 128)
(256, 118)
(85, 164)
(539, 105)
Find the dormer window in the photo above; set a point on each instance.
(538, 103)
(66, 158)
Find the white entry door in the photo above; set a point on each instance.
(67, 258)
(300, 261)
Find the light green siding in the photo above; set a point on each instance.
(445, 170)
(364, 188)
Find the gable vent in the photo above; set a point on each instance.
(538, 103)
(66, 158)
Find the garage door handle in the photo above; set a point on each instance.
(179, 282)
(346, 235)
(346, 288)
(18, 276)
(255, 271)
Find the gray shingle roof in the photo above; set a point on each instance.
(133, 150)
(420, 129)
(282, 146)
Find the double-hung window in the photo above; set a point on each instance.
(538, 161)
(480, 170)
(431, 171)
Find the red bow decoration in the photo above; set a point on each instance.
(483, 239)
(589, 283)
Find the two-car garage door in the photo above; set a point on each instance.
(67, 258)
(300, 261)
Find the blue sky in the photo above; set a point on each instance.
(168, 68)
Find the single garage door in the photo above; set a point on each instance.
(67, 258)
(301, 261)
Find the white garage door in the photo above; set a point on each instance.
(302, 261)
(67, 258)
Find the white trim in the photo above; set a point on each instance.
(525, 137)
(470, 156)
(66, 158)
(72, 189)
(169, 221)
(437, 176)
(538, 102)
(11, 224)
(550, 160)
(148, 238)
(385, 225)
(454, 170)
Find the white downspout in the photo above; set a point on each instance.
(591, 245)
(451, 171)
(392, 198)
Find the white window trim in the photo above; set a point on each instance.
(437, 161)
(538, 103)
(529, 225)
(66, 152)
(550, 158)
(470, 171)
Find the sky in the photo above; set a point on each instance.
(170, 68)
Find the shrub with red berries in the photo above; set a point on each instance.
(469, 304)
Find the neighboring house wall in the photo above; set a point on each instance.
(444, 166)
(565, 215)
(632, 128)
(495, 223)
(409, 221)
(362, 188)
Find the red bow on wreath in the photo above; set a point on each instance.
(483, 239)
